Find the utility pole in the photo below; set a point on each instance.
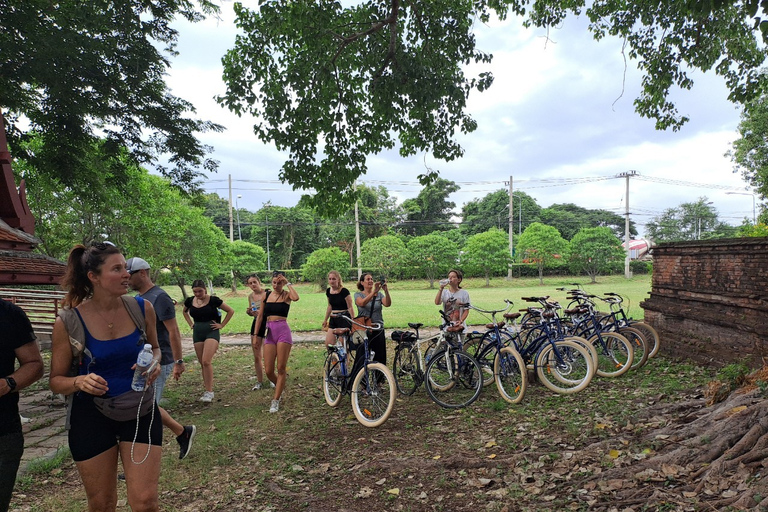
(627, 175)
(511, 227)
(357, 236)
(231, 220)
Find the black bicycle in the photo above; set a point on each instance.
(370, 384)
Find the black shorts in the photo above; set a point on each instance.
(339, 322)
(91, 433)
(262, 331)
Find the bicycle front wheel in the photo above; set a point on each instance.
(511, 375)
(405, 368)
(453, 379)
(333, 379)
(373, 394)
(614, 354)
(565, 367)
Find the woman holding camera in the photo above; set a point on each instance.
(369, 301)
(278, 341)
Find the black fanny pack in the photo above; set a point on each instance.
(127, 406)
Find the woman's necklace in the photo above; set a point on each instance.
(110, 323)
(199, 302)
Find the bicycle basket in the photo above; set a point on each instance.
(357, 338)
(403, 336)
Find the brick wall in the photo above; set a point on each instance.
(709, 300)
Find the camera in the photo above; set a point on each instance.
(382, 280)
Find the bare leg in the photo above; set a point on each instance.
(257, 357)
(205, 352)
(270, 353)
(283, 352)
(170, 423)
(141, 479)
(99, 476)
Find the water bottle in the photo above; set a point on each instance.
(142, 363)
(340, 350)
(253, 307)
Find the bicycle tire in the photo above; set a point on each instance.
(485, 353)
(614, 354)
(511, 375)
(405, 369)
(564, 367)
(635, 337)
(588, 347)
(650, 335)
(458, 378)
(373, 394)
(333, 380)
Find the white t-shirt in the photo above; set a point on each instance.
(454, 310)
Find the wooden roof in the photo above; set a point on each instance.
(18, 263)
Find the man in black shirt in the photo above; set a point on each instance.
(17, 342)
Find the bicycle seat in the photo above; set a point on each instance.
(511, 316)
(491, 326)
(340, 331)
(415, 326)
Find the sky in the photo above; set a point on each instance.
(559, 121)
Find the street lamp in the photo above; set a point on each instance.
(754, 217)
(239, 233)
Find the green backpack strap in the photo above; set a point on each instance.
(137, 315)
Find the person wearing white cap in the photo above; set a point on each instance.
(169, 339)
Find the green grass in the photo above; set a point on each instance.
(413, 301)
(310, 456)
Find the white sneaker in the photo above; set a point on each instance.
(207, 397)
(257, 386)
(271, 384)
(275, 406)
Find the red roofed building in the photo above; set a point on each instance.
(19, 265)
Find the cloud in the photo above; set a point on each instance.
(561, 106)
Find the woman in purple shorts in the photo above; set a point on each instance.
(278, 342)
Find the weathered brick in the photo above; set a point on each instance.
(709, 300)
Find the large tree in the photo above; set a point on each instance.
(750, 151)
(542, 246)
(431, 256)
(75, 72)
(689, 221)
(594, 251)
(569, 218)
(487, 254)
(333, 82)
(430, 210)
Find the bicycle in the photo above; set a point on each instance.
(618, 317)
(615, 352)
(370, 384)
(499, 360)
(564, 365)
(451, 376)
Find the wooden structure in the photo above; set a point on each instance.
(709, 300)
(19, 264)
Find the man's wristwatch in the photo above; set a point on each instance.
(11, 383)
(179, 361)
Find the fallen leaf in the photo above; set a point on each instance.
(395, 491)
(490, 444)
(614, 454)
(492, 456)
(381, 482)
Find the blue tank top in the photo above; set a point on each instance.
(112, 359)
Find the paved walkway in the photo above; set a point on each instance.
(44, 413)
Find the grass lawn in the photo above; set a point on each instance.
(413, 301)
(312, 457)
